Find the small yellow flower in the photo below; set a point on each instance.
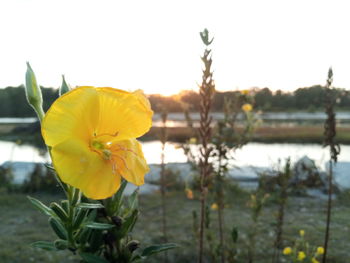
(287, 251)
(314, 260)
(320, 250)
(193, 140)
(245, 91)
(302, 233)
(301, 255)
(189, 193)
(214, 206)
(92, 135)
(247, 107)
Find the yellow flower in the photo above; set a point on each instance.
(189, 193)
(320, 250)
(247, 107)
(92, 135)
(287, 251)
(314, 260)
(302, 233)
(193, 140)
(301, 255)
(245, 91)
(214, 206)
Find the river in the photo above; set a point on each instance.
(252, 154)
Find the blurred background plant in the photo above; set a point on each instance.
(302, 251)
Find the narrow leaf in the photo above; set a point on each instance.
(58, 228)
(60, 212)
(100, 226)
(157, 249)
(90, 206)
(133, 199)
(44, 245)
(41, 207)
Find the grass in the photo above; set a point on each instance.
(21, 225)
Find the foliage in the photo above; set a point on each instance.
(308, 98)
(301, 251)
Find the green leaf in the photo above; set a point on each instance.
(157, 249)
(64, 86)
(84, 235)
(76, 196)
(117, 199)
(65, 205)
(128, 224)
(133, 199)
(59, 211)
(58, 228)
(41, 207)
(49, 246)
(79, 218)
(90, 206)
(91, 258)
(100, 226)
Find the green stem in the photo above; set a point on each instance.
(40, 112)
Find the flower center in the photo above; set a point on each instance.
(102, 148)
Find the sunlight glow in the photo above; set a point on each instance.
(155, 45)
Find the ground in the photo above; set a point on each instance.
(21, 225)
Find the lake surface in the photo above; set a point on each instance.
(178, 120)
(253, 154)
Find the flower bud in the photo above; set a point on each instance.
(61, 244)
(117, 221)
(64, 86)
(33, 93)
(133, 245)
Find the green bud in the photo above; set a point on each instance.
(33, 93)
(64, 87)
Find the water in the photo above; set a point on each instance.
(178, 120)
(253, 154)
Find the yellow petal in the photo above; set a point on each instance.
(127, 115)
(79, 166)
(131, 163)
(72, 115)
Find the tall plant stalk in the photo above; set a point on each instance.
(206, 91)
(221, 205)
(329, 140)
(282, 181)
(163, 139)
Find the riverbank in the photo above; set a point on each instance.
(267, 134)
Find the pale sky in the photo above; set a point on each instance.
(155, 45)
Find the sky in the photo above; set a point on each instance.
(155, 45)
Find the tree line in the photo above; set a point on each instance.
(13, 102)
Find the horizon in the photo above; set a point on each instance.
(252, 89)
